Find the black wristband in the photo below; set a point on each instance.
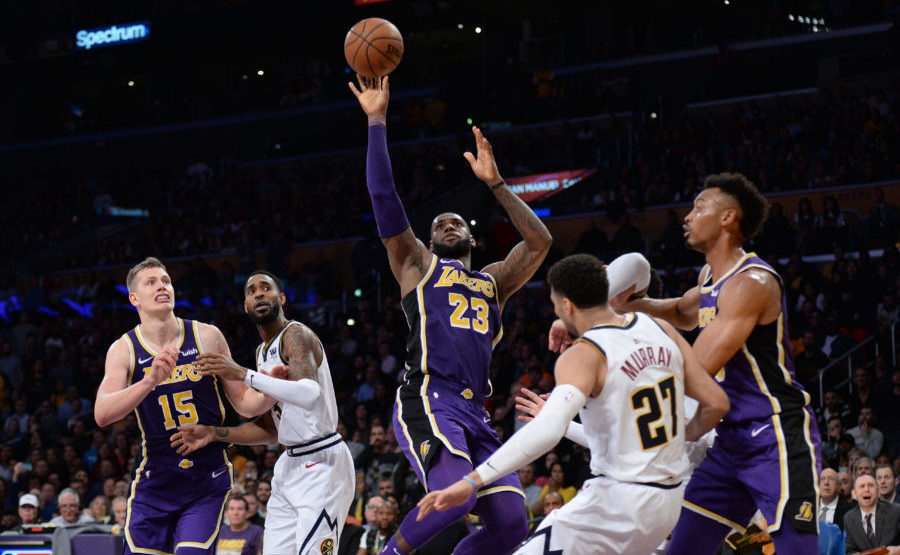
(498, 185)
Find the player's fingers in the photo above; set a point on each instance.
(363, 84)
(470, 158)
(385, 86)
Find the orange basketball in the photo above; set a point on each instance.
(373, 47)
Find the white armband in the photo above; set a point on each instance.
(537, 437)
(627, 270)
(575, 432)
(303, 393)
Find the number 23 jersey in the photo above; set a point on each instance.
(454, 324)
(635, 426)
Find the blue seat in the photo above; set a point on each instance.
(831, 539)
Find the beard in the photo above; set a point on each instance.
(266, 317)
(462, 248)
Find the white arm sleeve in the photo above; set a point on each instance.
(303, 393)
(627, 270)
(537, 437)
(575, 432)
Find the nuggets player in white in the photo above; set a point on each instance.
(627, 375)
(314, 480)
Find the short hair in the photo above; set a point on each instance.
(581, 278)
(72, 492)
(241, 499)
(149, 262)
(275, 279)
(754, 206)
(889, 467)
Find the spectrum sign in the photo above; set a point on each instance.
(125, 33)
(544, 185)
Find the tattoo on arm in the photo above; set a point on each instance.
(221, 431)
(525, 258)
(299, 351)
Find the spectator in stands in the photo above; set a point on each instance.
(263, 493)
(833, 506)
(386, 517)
(532, 492)
(887, 483)
(846, 485)
(864, 529)
(831, 442)
(809, 361)
(557, 483)
(70, 513)
(253, 510)
(98, 509)
(29, 507)
(868, 438)
(120, 510)
(239, 537)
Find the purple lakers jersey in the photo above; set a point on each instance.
(186, 397)
(759, 379)
(454, 324)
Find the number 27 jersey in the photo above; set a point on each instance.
(635, 426)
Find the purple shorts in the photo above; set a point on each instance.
(168, 510)
(770, 464)
(432, 414)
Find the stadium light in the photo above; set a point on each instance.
(477, 30)
(260, 73)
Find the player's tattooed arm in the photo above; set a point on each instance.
(526, 257)
(302, 352)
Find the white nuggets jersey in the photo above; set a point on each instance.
(635, 427)
(295, 424)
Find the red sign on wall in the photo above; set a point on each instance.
(542, 186)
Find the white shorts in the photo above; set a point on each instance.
(311, 496)
(608, 517)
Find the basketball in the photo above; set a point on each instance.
(373, 47)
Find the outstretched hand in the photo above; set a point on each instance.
(190, 438)
(373, 95)
(529, 404)
(447, 498)
(482, 162)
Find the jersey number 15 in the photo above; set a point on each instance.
(183, 404)
(649, 401)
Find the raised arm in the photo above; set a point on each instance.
(524, 259)
(115, 398)
(699, 385)
(407, 255)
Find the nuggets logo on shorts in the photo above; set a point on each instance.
(805, 513)
(327, 546)
(424, 447)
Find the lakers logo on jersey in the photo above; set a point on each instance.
(424, 447)
(186, 463)
(451, 275)
(806, 512)
(327, 546)
(706, 315)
